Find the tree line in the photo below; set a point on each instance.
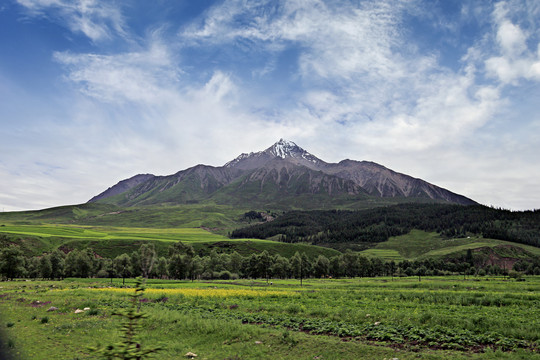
(379, 224)
(183, 263)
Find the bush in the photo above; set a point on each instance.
(227, 275)
(208, 275)
(481, 272)
(102, 274)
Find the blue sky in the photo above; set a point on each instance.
(93, 92)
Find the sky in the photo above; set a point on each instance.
(93, 92)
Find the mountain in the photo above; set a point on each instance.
(283, 149)
(122, 186)
(283, 175)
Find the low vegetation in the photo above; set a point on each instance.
(370, 318)
(425, 281)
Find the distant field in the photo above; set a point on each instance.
(387, 254)
(368, 318)
(421, 244)
(219, 218)
(109, 233)
(110, 241)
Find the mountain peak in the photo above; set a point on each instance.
(285, 148)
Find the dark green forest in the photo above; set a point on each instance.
(378, 225)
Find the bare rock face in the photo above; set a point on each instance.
(280, 173)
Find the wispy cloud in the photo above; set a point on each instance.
(341, 78)
(359, 71)
(139, 76)
(96, 19)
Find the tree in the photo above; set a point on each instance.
(32, 267)
(350, 262)
(11, 262)
(135, 264)
(300, 266)
(321, 266)
(392, 268)
(336, 266)
(364, 266)
(215, 262)
(421, 271)
(122, 266)
(182, 249)
(107, 268)
(194, 267)
(280, 267)
(45, 267)
(177, 268)
(235, 263)
(147, 259)
(264, 262)
(377, 267)
(57, 264)
(162, 268)
(250, 266)
(78, 264)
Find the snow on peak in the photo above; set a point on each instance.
(284, 148)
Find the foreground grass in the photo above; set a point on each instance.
(438, 318)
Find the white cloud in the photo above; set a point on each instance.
(514, 60)
(364, 91)
(96, 19)
(511, 39)
(351, 40)
(140, 76)
(358, 70)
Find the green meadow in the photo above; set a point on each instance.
(420, 244)
(369, 318)
(111, 241)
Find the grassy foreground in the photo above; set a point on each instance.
(437, 318)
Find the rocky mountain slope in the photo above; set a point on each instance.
(282, 174)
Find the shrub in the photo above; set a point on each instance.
(481, 272)
(515, 274)
(102, 274)
(227, 275)
(129, 348)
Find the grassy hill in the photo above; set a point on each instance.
(110, 230)
(110, 241)
(421, 244)
(216, 217)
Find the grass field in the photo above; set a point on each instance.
(438, 318)
(111, 241)
(421, 244)
(220, 218)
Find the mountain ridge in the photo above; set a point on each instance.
(278, 174)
